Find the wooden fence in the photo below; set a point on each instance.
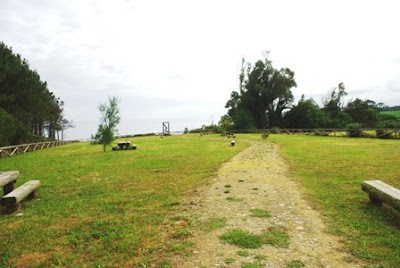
(12, 150)
(383, 133)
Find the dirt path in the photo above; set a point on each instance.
(257, 178)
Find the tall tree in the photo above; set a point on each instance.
(306, 114)
(108, 122)
(362, 112)
(333, 108)
(265, 92)
(25, 97)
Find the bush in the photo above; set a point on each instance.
(383, 134)
(264, 135)
(354, 130)
(275, 130)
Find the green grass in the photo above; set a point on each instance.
(229, 261)
(234, 199)
(213, 224)
(245, 239)
(243, 253)
(252, 265)
(331, 171)
(106, 209)
(296, 264)
(394, 113)
(260, 213)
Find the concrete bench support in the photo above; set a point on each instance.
(380, 192)
(12, 200)
(7, 180)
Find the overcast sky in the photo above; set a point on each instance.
(178, 61)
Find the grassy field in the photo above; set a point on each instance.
(112, 209)
(394, 113)
(331, 171)
(98, 209)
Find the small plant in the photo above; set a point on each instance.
(227, 186)
(227, 192)
(243, 253)
(213, 224)
(234, 199)
(177, 247)
(243, 239)
(229, 260)
(255, 189)
(264, 136)
(251, 265)
(354, 130)
(260, 213)
(296, 264)
(181, 232)
(240, 180)
(260, 257)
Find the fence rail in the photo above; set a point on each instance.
(13, 150)
(383, 133)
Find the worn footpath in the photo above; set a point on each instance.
(258, 178)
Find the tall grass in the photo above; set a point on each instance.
(104, 209)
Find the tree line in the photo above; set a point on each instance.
(29, 111)
(265, 100)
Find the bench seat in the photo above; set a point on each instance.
(7, 180)
(27, 190)
(380, 192)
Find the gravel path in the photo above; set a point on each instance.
(257, 178)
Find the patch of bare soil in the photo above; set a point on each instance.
(258, 178)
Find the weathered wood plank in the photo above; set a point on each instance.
(380, 192)
(8, 177)
(20, 193)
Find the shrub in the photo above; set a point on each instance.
(264, 135)
(383, 134)
(354, 130)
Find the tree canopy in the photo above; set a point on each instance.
(108, 122)
(265, 93)
(265, 100)
(31, 110)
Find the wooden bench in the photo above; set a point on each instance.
(7, 180)
(380, 192)
(12, 200)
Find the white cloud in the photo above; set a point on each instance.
(180, 59)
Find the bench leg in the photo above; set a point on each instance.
(12, 209)
(31, 195)
(375, 201)
(8, 188)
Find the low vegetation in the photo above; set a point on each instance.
(106, 209)
(213, 224)
(296, 264)
(243, 239)
(331, 171)
(260, 213)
